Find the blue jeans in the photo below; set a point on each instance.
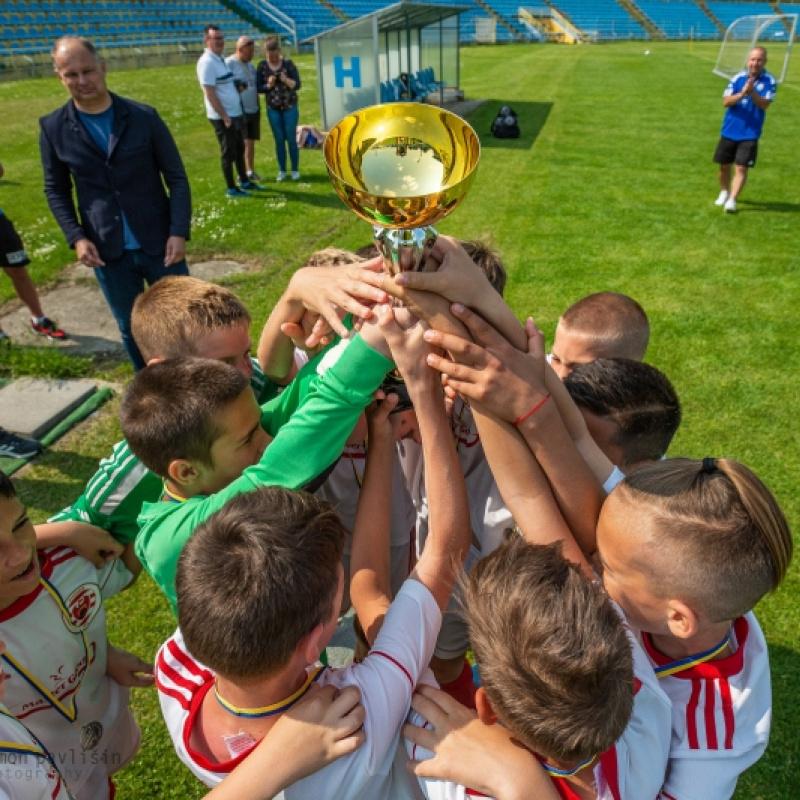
(123, 280)
(284, 129)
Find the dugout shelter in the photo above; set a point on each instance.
(360, 63)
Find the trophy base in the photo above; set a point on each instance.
(404, 250)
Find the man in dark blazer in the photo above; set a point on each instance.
(118, 155)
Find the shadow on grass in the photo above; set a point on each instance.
(532, 119)
(765, 205)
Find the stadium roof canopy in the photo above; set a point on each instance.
(404, 51)
(401, 16)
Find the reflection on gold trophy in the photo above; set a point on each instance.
(402, 167)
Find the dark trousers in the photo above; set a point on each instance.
(123, 280)
(231, 144)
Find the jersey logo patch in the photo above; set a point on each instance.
(82, 606)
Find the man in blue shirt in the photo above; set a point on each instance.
(133, 211)
(747, 98)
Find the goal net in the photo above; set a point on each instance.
(775, 32)
(486, 30)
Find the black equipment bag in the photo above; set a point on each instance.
(506, 124)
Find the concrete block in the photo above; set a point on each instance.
(32, 406)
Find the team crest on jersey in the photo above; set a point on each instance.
(82, 606)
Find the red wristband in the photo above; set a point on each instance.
(521, 419)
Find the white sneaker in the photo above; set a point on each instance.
(730, 206)
(721, 200)
(295, 175)
(281, 176)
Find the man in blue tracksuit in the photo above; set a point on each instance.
(747, 98)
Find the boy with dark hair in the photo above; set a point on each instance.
(557, 670)
(630, 408)
(600, 325)
(278, 618)
(62, 677)
(225, 445)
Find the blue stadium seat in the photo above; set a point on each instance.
(728, 12)
(601, 19)
(679, 20)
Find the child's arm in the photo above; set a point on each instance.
(114, 495)
(508, 385)
(89, 541)
(484, 758)
(127, 669)
(449, 537)
(323, 726)
(325, 292)
(370, 570)
(575, 424)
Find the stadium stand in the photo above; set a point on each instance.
(139, 26)
(680, 20)
(729, 12)
(310, 17)
(601, 19)
(113, 25)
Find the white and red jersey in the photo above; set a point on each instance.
(721, 714)
(56, 635)
(27, 770)
(343, 488)
(386, 678)
(633, 769)
(489, 516)
(606, 776)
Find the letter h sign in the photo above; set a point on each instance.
(340, 73)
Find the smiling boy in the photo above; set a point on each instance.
(58, 661)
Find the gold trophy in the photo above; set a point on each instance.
(402, 167)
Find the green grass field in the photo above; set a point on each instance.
(610, 187)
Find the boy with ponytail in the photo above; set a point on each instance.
(688, 548)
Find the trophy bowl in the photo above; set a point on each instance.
(402, 167)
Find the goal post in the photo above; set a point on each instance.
(774, 32)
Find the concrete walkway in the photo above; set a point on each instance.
(78, 305)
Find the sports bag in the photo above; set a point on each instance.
(506, 124)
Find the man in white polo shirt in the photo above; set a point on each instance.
(224, 110)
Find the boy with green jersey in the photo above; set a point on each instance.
(216, 442)
(180, 317)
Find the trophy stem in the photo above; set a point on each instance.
(404, 250)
